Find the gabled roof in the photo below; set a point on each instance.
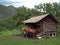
(35, 19)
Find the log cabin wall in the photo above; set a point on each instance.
(40, 29)
(48, 24)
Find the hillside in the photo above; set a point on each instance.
(6, 11)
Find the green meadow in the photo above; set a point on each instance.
(8, 38)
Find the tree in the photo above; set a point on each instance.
(53, 8)
(22, 14)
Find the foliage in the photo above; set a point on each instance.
(22, 14)
(5, 12)
(53, 8)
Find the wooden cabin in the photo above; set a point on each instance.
(43, 25)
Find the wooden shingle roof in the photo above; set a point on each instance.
(35, 19)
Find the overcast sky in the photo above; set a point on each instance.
(26, 3)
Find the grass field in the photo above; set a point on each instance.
(8, 39)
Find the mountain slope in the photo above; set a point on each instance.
(6, 11)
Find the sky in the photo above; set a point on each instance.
(26, 3)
